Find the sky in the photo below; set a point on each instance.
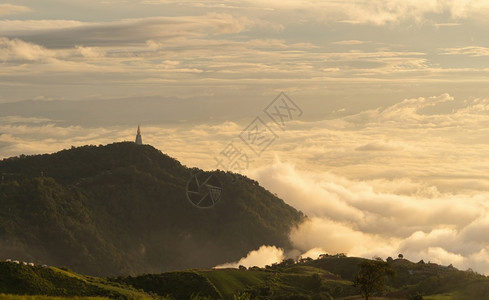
(373, 115)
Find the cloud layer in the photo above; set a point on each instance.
(376, 12)
(319, 49)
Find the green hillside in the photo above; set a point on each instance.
(122, 209)
(306, 279)
(330, 277)
(178, 285)
(20, 279)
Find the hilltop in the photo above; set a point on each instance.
(122, 209)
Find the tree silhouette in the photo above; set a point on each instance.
(371, 277)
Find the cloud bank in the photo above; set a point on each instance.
(374, 12)
(411, 183)
(354, 217)
(319, 49)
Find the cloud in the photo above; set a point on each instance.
(379, 12)
(26, 58)
(313, 253)
(374, 12)
(407, 112)
(19, 50)
(36, 135)
(91, 52)
(26, 27)
(127, 32)
(476, 51)
(349, 42)
(351, 217)
(10, 120)
(11, 9)
(226, 47)
(224, 50)
(450, 24)
(415, 187)
(378, 146)
(335, 237)
(265, 255)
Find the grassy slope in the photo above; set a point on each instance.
(318, 279)
(40, 297)
(430, 280)
(26, 280)
(178, 285)
(231, 281)
(296, 280)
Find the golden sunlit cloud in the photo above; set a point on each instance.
(11, 9)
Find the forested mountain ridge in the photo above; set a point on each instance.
(122, 209)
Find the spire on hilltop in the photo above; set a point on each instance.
(139, 139)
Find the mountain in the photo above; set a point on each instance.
(123, 209)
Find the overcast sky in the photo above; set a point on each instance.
(387, 141)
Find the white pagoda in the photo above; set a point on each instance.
(139, 139)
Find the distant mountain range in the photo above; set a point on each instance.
(123, 209)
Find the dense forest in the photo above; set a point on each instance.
(122, 209)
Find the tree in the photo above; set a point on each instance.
(400, 256)
(371, 277)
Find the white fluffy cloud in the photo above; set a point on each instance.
(412, 181)
(15, 49)
(351, 217)
(265, 255)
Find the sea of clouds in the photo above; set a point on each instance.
(408, 178)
